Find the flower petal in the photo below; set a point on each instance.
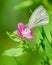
(19, 33)
(27, 32)
(29, 36)
(21, 26)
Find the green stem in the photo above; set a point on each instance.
(36, 53)
(33, 50)
(17, 62)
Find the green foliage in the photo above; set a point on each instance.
(23, 4)
(43, 35)
(18, 51)
(44, 46)
(14, 37)
(22, 48)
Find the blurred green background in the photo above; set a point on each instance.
(12, 12)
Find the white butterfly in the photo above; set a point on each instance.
(39, 17)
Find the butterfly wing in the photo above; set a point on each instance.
(39, 17)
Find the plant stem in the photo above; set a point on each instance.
(17, 62)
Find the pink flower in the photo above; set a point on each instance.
(24, 31)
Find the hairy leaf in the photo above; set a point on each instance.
(17, 51)
(14, 37)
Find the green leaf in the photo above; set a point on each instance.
(17, 51)
(38, 36)
(42, 44)
(23, 4)
(49, 52)
(14, 37)
(48, 49)
(47, 32)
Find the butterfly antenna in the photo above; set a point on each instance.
(30, 10)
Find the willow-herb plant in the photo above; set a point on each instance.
(38, 18)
